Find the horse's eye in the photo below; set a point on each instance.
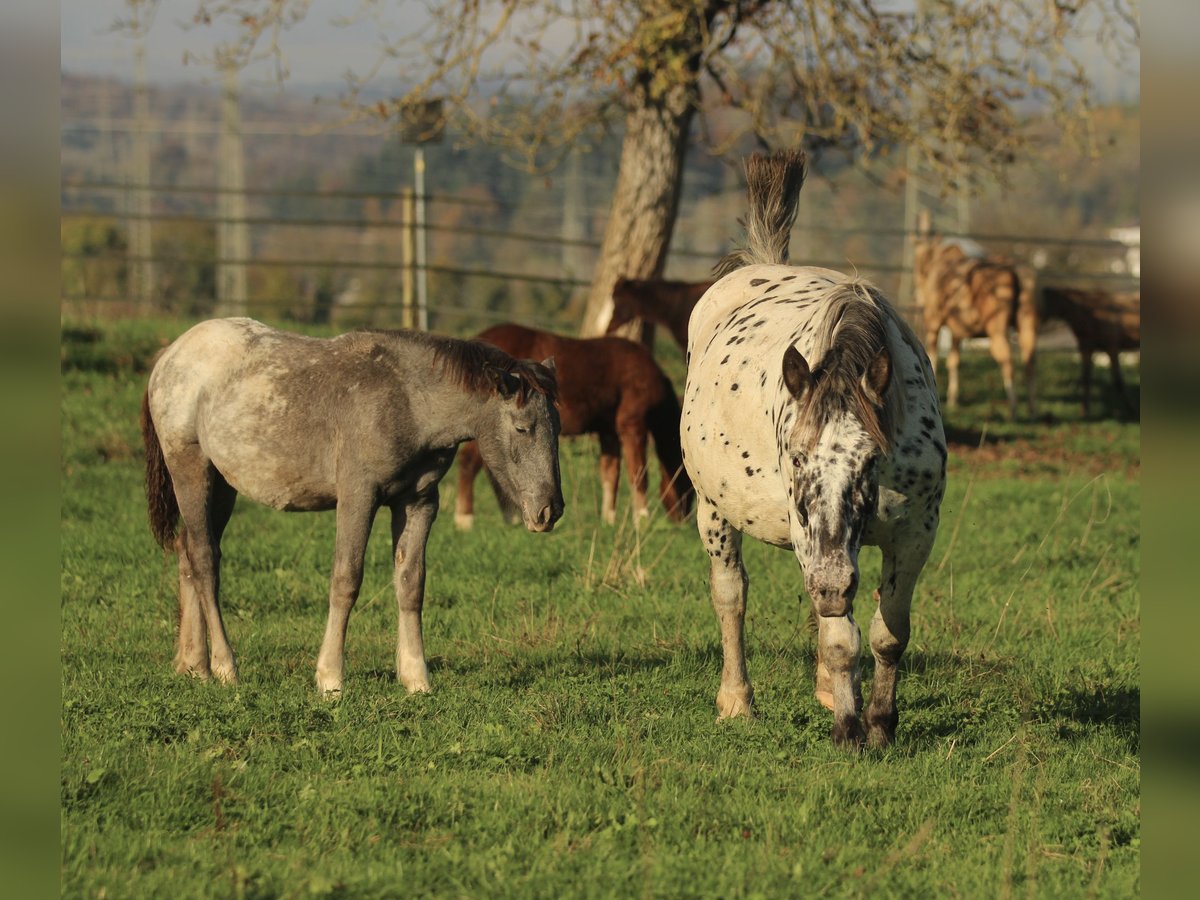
(523, 429)
(796, 462)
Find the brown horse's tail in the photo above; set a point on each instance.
(160, 491)
(662, 421)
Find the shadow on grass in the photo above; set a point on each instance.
(1080, 712)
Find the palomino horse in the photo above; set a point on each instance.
(1101, 322)
(657, 300)
(355, 422)
(973, 297)
(811, 422)
(610, 387)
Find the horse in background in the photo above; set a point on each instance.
(351, 423)
(607, 386)
(975, 297)
(657, 300)
(1102, 322)
(811, 422)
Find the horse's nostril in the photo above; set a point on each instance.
(544, 517)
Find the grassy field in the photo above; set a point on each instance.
(569, 747)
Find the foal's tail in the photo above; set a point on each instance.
(773, 183)
(160, 491)
(662, 421)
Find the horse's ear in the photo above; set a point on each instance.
(548, 363)
(507, 384)
(878, 374)
(796, 374)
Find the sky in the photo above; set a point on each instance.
(317, 51)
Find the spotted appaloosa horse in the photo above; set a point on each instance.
(610, 387)
(974, 297)
(811, 422)
(658, 300)
(355, 422)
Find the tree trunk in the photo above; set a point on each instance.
(645, 203)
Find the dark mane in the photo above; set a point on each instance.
(854, 332)
(483, 369)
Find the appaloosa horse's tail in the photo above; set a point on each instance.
(662, 421)
(774, 184)
(160, 491)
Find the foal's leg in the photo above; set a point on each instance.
(1118, 381)
(469, 464)
(205, 504)
(610, 475)
(355, 513)
(1085, 378)
(410, 532)
(632, 430)
(728, 584)
(903, 560)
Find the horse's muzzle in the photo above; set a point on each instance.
(545, 518)
(832, 592)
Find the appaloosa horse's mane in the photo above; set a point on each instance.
(480, 367)
(854, 331)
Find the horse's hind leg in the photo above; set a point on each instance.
(902, 563)
(205, 504)
(610, 475)
(469, 464)
(728, 585)
(953, 356)
(632, 430)
(355, 512)
(1002, 354)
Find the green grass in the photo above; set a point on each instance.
(569, 747)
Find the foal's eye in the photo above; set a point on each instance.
(523, 429)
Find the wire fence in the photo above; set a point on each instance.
(351, 269)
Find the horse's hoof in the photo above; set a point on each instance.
(825, 698)
(732, 705)
(848, 734)
(464, 521)
(416, 686)
(331, 694)
(197, 671)
(226, 674)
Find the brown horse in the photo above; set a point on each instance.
(666, 303)
(607, 386)
(1101, 322)
(975, 297)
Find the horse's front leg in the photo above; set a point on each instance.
(903, 559)
(610, 475)
(469, 464)
(728, 585)
(410, 532)
(354, 517)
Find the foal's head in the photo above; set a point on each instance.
(838, 432)
(626, 307)
(520, 441)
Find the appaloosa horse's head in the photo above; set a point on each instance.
(519, 441)
(838, 432)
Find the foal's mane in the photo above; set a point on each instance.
(850, 334)
(482, 368)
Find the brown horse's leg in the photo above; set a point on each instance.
(1027, 329)
(632, 430)
(1085, 378)
(728, 585)
(410, 532)
(469, 464)
(952, 359)
(1114, 359)
(610, 475)
(355, 512)
(204, 507)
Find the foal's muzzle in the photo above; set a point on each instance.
(544, 518)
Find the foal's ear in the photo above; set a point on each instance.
(878, 374)
(548, 363)
(796, 375)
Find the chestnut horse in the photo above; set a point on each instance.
(607, 386)
(666, 303)
(350, 423)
